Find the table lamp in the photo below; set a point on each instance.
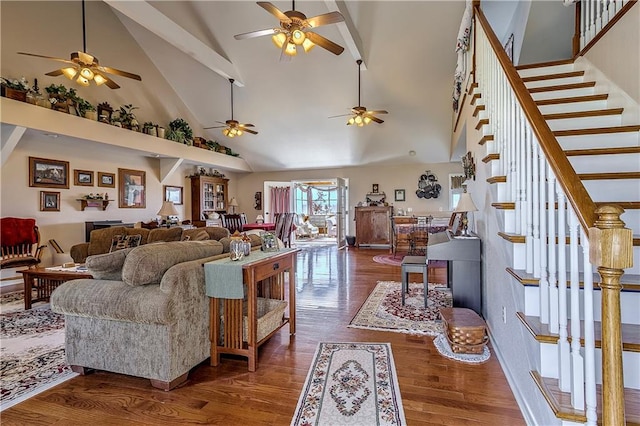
(167, 209)
(465, 205)
(259, 219)
(233, 204)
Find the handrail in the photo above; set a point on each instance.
(577, 51)
(566, 176)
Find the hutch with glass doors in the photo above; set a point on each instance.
(208, 195)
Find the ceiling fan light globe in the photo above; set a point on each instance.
(298, 37)
(358, 120)
(86, 73)
(70, 72)
(351, 120)
(307, 45)
(279, 39)
(239, 132)
(99, 80)
(225, 132)
(82, 81)
(367, 120)
(291, 49)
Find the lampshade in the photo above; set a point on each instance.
(168, 209)
(233, 202)
(466, 204)
(259, 219)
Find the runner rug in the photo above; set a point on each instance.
(351, 384)
(383, 309)
(32, 350)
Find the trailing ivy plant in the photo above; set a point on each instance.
(180, 131)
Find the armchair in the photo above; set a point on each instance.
(20, 241)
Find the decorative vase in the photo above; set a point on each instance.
(161, 132)
(236, 249)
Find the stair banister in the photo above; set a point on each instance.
(609, 244)
(571, 184)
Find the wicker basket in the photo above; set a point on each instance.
(270, 313)
(465, 330)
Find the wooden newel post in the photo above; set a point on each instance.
(611, 250)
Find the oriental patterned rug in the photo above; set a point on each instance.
(32, 350)
(351, 384)
(383, 309)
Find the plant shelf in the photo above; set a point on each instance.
(84, 203)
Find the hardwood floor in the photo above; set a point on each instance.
(332, 285)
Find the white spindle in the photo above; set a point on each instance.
(598, 7)
(564, 362)
(551, 251)
(577, 362)
(544, 242)
(536, 211)
(589, 335)
(528, 201)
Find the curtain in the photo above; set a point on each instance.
(280, 199)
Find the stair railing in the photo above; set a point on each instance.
(593, 19)
(540, 178)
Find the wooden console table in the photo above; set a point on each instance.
(46, 280)
(263, 274)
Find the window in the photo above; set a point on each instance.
(316, 199)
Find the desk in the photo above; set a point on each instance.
(260, 226)
(45, 281)
(262, 273)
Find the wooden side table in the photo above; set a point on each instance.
(264, 276)
(45, 281)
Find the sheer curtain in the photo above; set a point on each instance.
(280, 199)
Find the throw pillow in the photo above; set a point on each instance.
(120, 242)
(107, 266)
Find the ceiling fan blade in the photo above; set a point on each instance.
(259, 33)
(246, 125)
(214, 127)
(326, 19)
(376, 119)
(341, 115)
(253, 132)
(110, 83)
(381, 111)
(55, 73)
(325, 43)
(66, 61)
(273, 10)
(119, 72)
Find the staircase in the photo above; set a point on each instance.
(589, 156)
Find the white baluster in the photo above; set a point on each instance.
(583, 19)
(564, 359)
(542, 206)
(589, 335)
(536, 211)
(551, 251)
(598, 6)
(577, 362)
(528, 202)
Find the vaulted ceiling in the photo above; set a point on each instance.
(185, 51)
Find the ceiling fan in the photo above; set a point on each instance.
(233, 128)
(359, 114)
(295, 30)
(84, 67)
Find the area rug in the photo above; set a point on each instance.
(32, 352)
(444, 348)
(351, 384)
(383, 309)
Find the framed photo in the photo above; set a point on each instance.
(132, 192)
(375, 188)
(399, 195)
(82, 177)
(46, 173)
(108, 180)
(49, 201)
(173, 194)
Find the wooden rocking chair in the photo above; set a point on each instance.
(20, 243)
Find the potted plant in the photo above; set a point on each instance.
(15, 89)
(86, 109)
(127, 117)
(60, 97)
(180, 131)
(149, 128)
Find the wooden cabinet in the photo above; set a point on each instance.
(373, 225)
(208, 195)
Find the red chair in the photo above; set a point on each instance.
(20, 243)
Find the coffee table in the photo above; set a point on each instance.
(45, 281)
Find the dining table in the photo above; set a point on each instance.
(267, 226)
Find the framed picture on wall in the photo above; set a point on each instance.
(173, 194)
(82, 177)
(399, 195)
(107, 180)
(49, 201)
(47, 173)
(132, 192)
